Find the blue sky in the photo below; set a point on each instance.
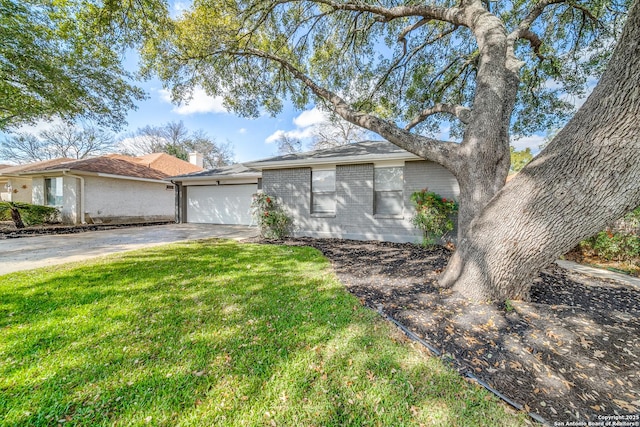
(251, 138)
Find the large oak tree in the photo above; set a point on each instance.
(401, 69)
(64, 59)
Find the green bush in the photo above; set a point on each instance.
(433, 215)
(613, 246)
(274, 223)
(30, 214)
(620, 242)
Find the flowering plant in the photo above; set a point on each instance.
(433, 215)
(274, 223)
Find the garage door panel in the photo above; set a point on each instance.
(223, 204)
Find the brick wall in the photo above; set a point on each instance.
(354, 217)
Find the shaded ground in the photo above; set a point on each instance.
(571, 354)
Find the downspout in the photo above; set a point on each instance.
(82, 219)
(178, 204)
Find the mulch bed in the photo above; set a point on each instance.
(9, 231)
(571, 354)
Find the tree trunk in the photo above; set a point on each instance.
(587, 177)
(15, 216)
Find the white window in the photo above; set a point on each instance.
(388, 184)
(53, 191)
(323, 192)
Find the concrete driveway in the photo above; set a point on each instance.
(40, 251)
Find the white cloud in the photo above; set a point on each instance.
(300, 133)
(39, 126)
(242, 130)
(534, 142)
(199, 103)
(310, 118)
(179, 7)
(305, 123)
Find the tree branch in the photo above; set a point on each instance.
(454, 15)
(397, 63)
(442, 152)
(534, 41)
(461, 113)
(525, 25)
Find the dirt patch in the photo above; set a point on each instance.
(571, 354)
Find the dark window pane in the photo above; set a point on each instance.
(324, 202)
(389, 203)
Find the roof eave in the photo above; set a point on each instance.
(367, 158)
(53, 172)
(182, 178)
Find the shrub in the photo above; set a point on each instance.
(611, 246)
(433, 215)
(274, 223)
(29, 214)
(618, 242)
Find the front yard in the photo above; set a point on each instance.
(215, 333)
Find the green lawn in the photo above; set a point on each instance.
(215, 333)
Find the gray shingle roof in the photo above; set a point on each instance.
(238, 170)
(366, 150)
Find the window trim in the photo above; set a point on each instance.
(47, 191)
(323, 214)
(376, 214)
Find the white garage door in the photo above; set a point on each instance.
(224, 204)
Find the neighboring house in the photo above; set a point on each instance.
(106, 189)
(216, 196)
(357, 191)
(16, 188)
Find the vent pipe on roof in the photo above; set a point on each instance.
(196, 159)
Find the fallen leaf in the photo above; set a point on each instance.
(627, 406)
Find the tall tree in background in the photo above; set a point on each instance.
(288, 144)
(519, 159)
(176, 139)
(64, 59)
(336, 131)
(62, 140)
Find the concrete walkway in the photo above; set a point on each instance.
(41, 251)
(598, 272)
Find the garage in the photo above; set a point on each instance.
(220, 204)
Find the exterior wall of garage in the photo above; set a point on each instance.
(354, 216)
(111, 200)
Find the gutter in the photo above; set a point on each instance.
(66, 173)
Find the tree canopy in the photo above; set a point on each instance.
(176, 139)
(519, 159)
(61, 140)
(64, 59)
(401, 61)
